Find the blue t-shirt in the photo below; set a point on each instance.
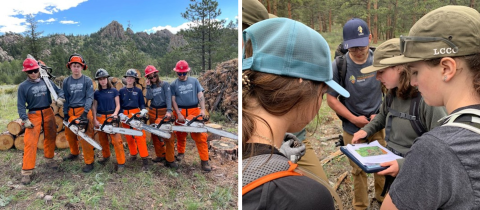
(185, 92)
(160, 95)
(78, 93)
(106, 100)
(131, 98)
(35, 95)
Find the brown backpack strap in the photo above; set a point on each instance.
(262, 180)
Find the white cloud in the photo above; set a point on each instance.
(47, 21)
(172, 29)
(12, 14)
(68, 22)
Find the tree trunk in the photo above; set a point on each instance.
(394, 24)
(319, 22)
(368, 15)
(275, 4)
(329, 20)
(268, 6)
(6, 140)
(472, 3)
(375, 22)
(289, 5)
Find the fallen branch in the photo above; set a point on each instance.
(340, 179)
(328, 138)
(330, 157)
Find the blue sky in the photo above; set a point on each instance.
(88, 16)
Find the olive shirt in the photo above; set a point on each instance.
(402, 134)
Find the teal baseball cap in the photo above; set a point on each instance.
(286, 47)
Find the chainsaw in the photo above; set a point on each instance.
(45, 74)
(138, 122)
(78, 127)
(195, 125)
(110, 126)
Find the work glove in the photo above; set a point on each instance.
(143, 112)
(66, 117)
(290, 151)
(123, 117)
(83, 117)
(27, 123)
(60, 101)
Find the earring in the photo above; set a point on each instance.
(445, 78)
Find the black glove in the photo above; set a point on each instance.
(84, 116)
(66, 117)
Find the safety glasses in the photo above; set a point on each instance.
(151, 77)
(181, 74)
(33, 71)
(354, 49)
(405, 39)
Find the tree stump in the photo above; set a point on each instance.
(19, 144)
(118, 85)
(41, 140)
(212, 136)
(59, 122)
(227, 150)
(61, 140)
(16, 127)
(6, 140)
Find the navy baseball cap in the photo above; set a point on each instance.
(355, 33)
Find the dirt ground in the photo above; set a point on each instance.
(323, 142)
(103, 188)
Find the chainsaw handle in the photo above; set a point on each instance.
(204, 119)
(136, 116)
(164, 120)
(110, 121)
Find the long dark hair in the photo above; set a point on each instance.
(109, 84)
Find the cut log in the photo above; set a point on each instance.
(113, 80)
(330, 157)
(55, 108)
(59, 122)
(340, 179)
(16, 127)
(139, 86)
(6, 140)
(144, 91)
(139, 73)
(60, 113)
(142, 81)
(118, 85)
(41, 140)
(61, 140)
(19, 144)
(94, 84)
(212, 136)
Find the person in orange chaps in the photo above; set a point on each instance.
(187, 93)
(106, 104)
(159, 93)
(132, 102)
(78, 90)
(34, 92)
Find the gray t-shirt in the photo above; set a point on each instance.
(365, 91)
(441, 171)
(185, 92)
(78, 93)
(35, 95)
(160, 95)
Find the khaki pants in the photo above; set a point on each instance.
(360, 185)
(311, 163)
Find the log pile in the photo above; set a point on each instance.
(221, 89)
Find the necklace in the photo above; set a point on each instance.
(130, 90)
(265, 138)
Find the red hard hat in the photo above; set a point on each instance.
(182, 66)
(76, 58)
(150, 70)
(30, 64)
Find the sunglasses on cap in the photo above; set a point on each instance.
(33, 71)
(405, 39)
(151, 77)
(182, 73)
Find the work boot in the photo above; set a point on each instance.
(173, 164)
(120, 168)
(87, 168)
(132, 158)
(51, 163)
(180, 157)
(103, 161)
(145, 164)
(26, 179)
(158, 159)
(27, 176)
(206, 166)
(70, 157)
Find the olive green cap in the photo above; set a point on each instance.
(253, 11)
(448, 31)
(388, 49)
